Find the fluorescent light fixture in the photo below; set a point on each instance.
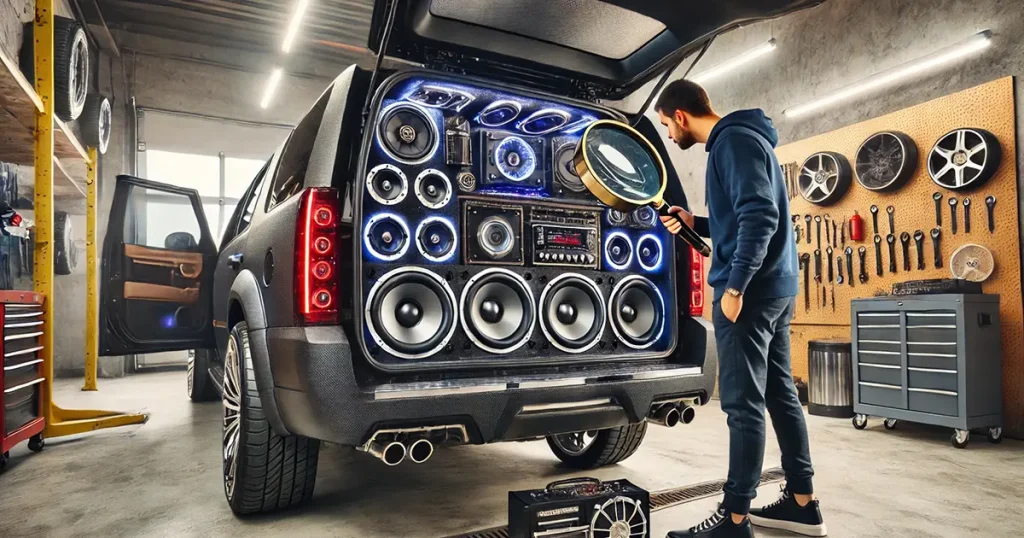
(729, 65)
(294, 24)
(888, 77)
(268, 93)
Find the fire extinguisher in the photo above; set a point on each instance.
(856, 227)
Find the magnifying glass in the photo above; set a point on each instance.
(624, 171)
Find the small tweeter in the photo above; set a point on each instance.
(618, 250)
(387, 184)
(436, 239)
(433, 188)
(648, 252)
(386, 236)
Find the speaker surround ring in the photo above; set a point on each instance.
(651, 243)
(407, 134)
(421, 227)
(378, 302)
(656, 316)
(620, 240)
(371, 186)
(423, 197)
(516, 284)
(368, 240)
(581, 285)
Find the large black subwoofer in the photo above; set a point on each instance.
(498, 311)
(410, 312)
(637, 312)
(572, 313)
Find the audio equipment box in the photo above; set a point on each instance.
(580, 508)
(565, 237)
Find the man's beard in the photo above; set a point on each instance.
(686, 141)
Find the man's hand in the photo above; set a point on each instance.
(731, 306)
(672, 223)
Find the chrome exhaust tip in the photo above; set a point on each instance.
(421, 450)
(666, 415)
(391, 453)
(687, 414)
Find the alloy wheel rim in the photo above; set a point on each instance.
(191, 368)
(232, 400)
(576, 443)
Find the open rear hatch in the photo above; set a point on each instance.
(591, 49)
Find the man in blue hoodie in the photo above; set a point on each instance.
(754, 273)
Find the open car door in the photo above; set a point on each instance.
(157, 273)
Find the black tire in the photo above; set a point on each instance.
(890, 424)
(860, 421)
(994, 435)
(36, 443)
(609, 447)
(200, 387)
(960, 443)
(270, 472)
(63, 243)
(70, 51)
(886, 161)
(96, 121)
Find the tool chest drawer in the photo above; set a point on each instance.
(935, 359)
(21, 374)
(21, 406)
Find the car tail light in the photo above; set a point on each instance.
(316, 292)
(696, 283)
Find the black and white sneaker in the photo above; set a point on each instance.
(785, 514)
(719, 525)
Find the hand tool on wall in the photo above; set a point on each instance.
(833, 300)
(938, 208)
(805, 266)
(828, 234)
(835, 238)
(990, 203)
(905, 242)
(797, 232)
(891, 239)
(878, 255)
(849, 264)
(874, 218)
(967, 215)
(936, 246)
(824, 296)
(919, 242)
(817, 224)
(856, 227)
(840, 279)
(807, 220)
(862, 253)
(891, 210)
(829, 251)
(817, 266)
(952, 213)
(842, 232)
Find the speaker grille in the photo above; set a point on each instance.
(408, 133)
(387, 184)
(572, 313)
(410, 313)
(498, 311)
(637, 312)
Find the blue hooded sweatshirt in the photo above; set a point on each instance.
(749, 226)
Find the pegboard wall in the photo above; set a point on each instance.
(989, 107)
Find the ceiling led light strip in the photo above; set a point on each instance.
(889, 77)
(734, 63)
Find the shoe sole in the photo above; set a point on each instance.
(791, 526)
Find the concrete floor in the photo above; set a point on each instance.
(162, 479)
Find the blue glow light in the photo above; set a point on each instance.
(368, 227)
(607, 256)
(455, 238)
(168, 321)
(544, 121)
(483, 118)
(515, 145)
(657, 245)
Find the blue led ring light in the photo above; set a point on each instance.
(644, 240)
(608, 255)
(369, 243)
(419, 239)
(515, 158)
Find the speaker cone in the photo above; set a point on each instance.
(387, 184)
(572, 313)
(496, 237)
(435, 239)
(410, 313)
(637, 312)
(498, 312)
(648, 252)
(433, 188)
(618, 250)
(386, 236)
(565, 171)
(408, 133)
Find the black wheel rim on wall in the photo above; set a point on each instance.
(964, 158)
(824, 178)
(886, 161)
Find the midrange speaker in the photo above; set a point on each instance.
(408, 133)
(387, 184)
(498, 312)
(618, 250)
(572, 313)
(637, 312)
(410, 313)
(386, 236)
(433, 188)
(436, 239)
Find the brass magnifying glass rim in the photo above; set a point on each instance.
(597, 187)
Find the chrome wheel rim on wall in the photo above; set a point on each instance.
(576, 443)
(964, 159)
(824, 178)
(232, 416)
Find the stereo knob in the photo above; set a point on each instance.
(561, 257)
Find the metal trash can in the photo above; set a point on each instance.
(830, 365)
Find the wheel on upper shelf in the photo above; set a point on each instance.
(890, 424)
(995, 435)
(961, 438)
(860, 421)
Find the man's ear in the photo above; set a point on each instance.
(680, 118)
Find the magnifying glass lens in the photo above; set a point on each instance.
(623, 164)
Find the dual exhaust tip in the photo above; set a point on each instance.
(670, 414)
(396, 452)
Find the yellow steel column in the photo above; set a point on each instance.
(91, 284)
(42, 270)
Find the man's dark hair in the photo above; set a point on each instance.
(684, 95)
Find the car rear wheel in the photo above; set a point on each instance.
(589, 450)
(263, 471)
(200, 386)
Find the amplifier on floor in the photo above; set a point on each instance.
(580, 508)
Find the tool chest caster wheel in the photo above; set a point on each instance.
(961, 438)
(860, 422)
(890, 424)
(36, 443)
(3, 460)
(995, 435)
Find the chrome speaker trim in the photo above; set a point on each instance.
(447, 224)
(661, 252)
(368, 314)
(430, 123)
(496, 105)
(369, 228)
(394, 170)
(607, 255)
(505, 225)
(422, 198)
(600, 310)
(530, 310)
(612, 316)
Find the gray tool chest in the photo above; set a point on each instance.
(933, 359)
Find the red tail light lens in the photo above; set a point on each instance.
(316, 293)
(696, 283)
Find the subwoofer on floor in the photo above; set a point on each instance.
(411, 312)
(497, 310)
(572, 313)
(636, 312)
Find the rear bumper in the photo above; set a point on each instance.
(313, 392)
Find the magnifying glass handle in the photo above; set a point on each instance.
(686, 233)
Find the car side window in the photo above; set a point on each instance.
(291, 172)
(242, 215)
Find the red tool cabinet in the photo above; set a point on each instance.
(22, 376)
